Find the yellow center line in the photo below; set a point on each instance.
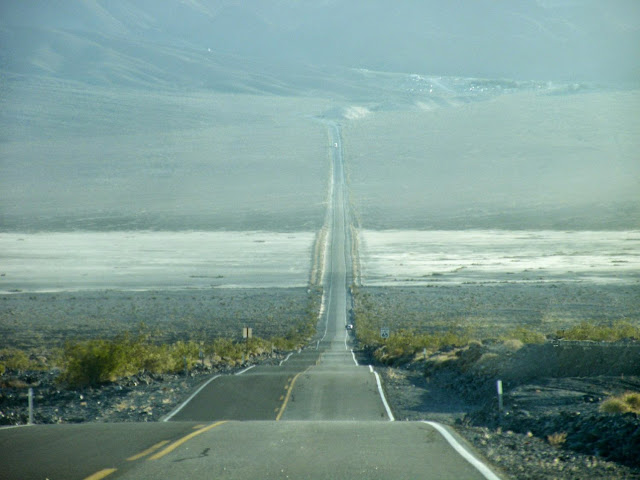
(184, 439)
(289, 389)
(148, 450)
(286, 399)
(101, 474)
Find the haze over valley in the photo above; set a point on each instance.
(462, 177)
(203, 115)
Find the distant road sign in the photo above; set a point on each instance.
(247, 332)
(384, 332)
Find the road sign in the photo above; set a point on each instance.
(384, 332)
(246, 332)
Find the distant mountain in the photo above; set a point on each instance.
(285, 46)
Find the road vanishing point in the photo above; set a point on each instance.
(318, 415)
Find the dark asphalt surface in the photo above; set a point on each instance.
(60, 452)
(257, 394)
(311, 450)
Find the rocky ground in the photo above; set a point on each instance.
(491, 309)
(550, 428)
(36, 320)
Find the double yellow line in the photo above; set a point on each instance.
(289, 388)
(108, 471)
(184, 439)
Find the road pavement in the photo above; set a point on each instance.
(319, 415)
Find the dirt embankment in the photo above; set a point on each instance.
(551, 424)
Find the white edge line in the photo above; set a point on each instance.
(245, 370)
(326, 315)
(466, 454)
(354, 357)
(384, 400)
(170, 416)
(346, 336)
(282, 361)
(9, 427)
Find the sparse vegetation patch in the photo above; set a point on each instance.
(625, 403)
(616, 331)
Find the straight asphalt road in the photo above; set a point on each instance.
(319, 415)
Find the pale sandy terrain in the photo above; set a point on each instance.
(145, 260)
(538, 159)
(412, 257)
(103, 159)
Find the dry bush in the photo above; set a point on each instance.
(524, 335)
(557, 439)
(13, 359)
(627, 402)
(512, 344)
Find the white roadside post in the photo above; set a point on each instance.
(30, 406)
(500, 405)
(247, 333)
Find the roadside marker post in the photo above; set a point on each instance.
(500, 404)
(30, 406)
(247, 333)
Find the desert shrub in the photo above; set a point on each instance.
(488, 361)
(512, 344)
(284, 343)
(524, 335)
(157, 359)
(404, 344)
(557, 439)
(13, 359)
(600, 333)
(451, 338)
(94, 361)
(226, 349)
(627, 402)
(180, 351)
(32, 359)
